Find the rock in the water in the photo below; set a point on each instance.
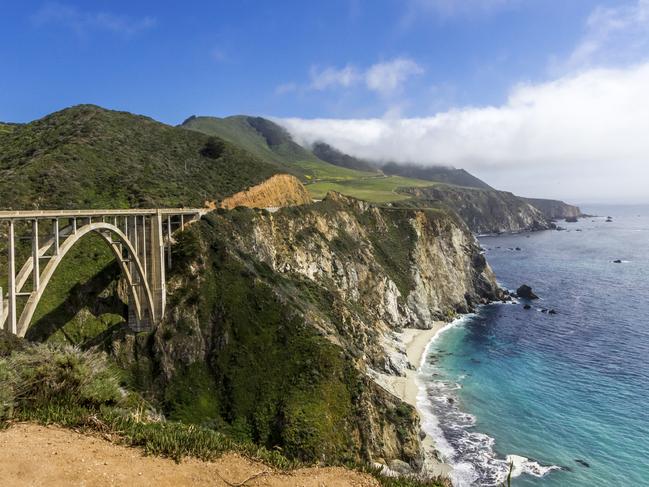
(552, 312)
(518, 248)
(525, 292)
(400, 467)
(617, 261)
(527, 306)
(544, 310)
(571, 219)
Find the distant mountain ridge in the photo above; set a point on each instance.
(555, 209)
(333, 156)
(485, 209)
(442, 174)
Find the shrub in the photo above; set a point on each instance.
(213, 149)
(42, 375)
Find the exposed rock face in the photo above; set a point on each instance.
(486, 211)
(285, 313)
(554, 209)
(526, 292)
(278, 191)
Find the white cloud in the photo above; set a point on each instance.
(613, 36)
(286, 88)
(581, 137)
(387, 78)
(82, 22)
(322, 79)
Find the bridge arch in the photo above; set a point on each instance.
(141, 240)
(108, 233)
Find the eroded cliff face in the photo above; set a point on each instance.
(282, 316)
(554, 209)
(402, 268)
(277, 191)
(486, 211)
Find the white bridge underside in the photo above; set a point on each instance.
(140, 239)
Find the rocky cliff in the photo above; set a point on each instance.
(485, 211)
(276, 320)
(554, 209)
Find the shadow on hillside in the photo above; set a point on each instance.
(98, 295)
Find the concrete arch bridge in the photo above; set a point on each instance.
(140, 239)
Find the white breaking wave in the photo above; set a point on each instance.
(521, 465)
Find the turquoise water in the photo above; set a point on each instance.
(569, 390)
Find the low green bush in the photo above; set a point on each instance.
(42, 375)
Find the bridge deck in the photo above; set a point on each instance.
(35, 214)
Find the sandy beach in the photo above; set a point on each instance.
(414, 342)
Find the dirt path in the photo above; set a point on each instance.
(32, 455)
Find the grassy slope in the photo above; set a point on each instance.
(239, 130)
(377, 189)
(440, 174)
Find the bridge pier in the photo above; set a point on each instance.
(139, 244)
(12, 315)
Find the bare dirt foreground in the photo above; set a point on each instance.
(38, 455)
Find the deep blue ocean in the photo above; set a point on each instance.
(569, 390)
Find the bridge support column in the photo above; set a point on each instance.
(36, 273)
(157, 278)
(12, 318)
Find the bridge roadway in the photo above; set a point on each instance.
(140, 239)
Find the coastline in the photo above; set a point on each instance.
(413, 343)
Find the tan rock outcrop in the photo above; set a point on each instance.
(278, 191)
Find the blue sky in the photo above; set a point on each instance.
(540, 97)
(170, 60)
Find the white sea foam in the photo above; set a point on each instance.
(521, 465)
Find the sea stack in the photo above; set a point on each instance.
(526, 292)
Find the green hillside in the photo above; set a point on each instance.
(376, 189)
(89, 157)
(440, 174)
(258, 136)
(334, 156)
(6, 127)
